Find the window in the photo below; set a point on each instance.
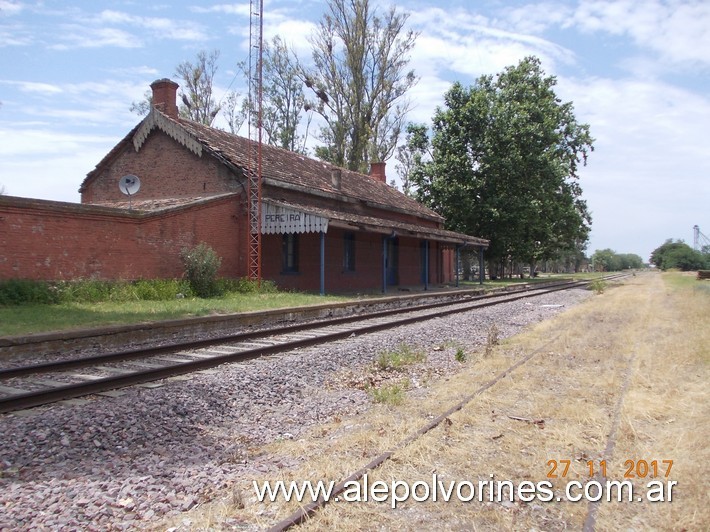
(349, 252)
(290, 253)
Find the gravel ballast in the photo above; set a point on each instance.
(127, 462)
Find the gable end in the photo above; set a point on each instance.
(157, 120)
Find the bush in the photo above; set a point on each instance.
(201, 266)
(25, 291)
(460, 355)
(22, 291)
(598, 286)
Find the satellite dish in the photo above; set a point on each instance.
(129, 184)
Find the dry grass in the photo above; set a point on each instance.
(559, 406)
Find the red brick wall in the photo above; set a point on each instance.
(53, 240)
(166, 169)
(368, 262)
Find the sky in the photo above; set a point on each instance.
(638, 72)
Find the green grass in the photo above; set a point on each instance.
(390, 394)
(400, 357)
(685, 281)
(35, 318)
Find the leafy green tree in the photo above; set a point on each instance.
(631, 261)
(686, 259)
(658, 255)
(504, 165)
(678, 254)
(359, 81)
(607, 260)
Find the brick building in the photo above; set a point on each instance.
(323, 228)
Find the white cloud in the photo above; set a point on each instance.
(536, 18)
(468, 44)
(100, 30)
(143, 70)
(48, 164)
(15, 35)
(677, 31)
(163, 28)
(81, 36)
(78, 104)
(648, 168)
(9, 8)
(46, 89)
(227, 9)
(294, 32)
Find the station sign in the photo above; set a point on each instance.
(278, 220)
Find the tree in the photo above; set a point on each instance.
(505, 157)
(359, 81)
(235, 110)
(283, 98)
(630, 261)
(607, 260)
(412, 154)
(142, 107)
(196, 88)
(197, 102)
(678, 254)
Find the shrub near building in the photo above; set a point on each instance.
(201, 266)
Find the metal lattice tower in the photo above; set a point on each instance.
(254, 125)
(700, 241)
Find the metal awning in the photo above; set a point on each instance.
(279, 219)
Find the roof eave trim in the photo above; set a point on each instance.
(156, 119)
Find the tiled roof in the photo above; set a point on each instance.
(384, 226)
(151, 205)
(279, 165)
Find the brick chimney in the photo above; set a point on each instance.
(336, 178)
(165, 96)
(377, 172)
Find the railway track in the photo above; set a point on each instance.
(38, 384)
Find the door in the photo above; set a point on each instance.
(424, 262)
(393, 261)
